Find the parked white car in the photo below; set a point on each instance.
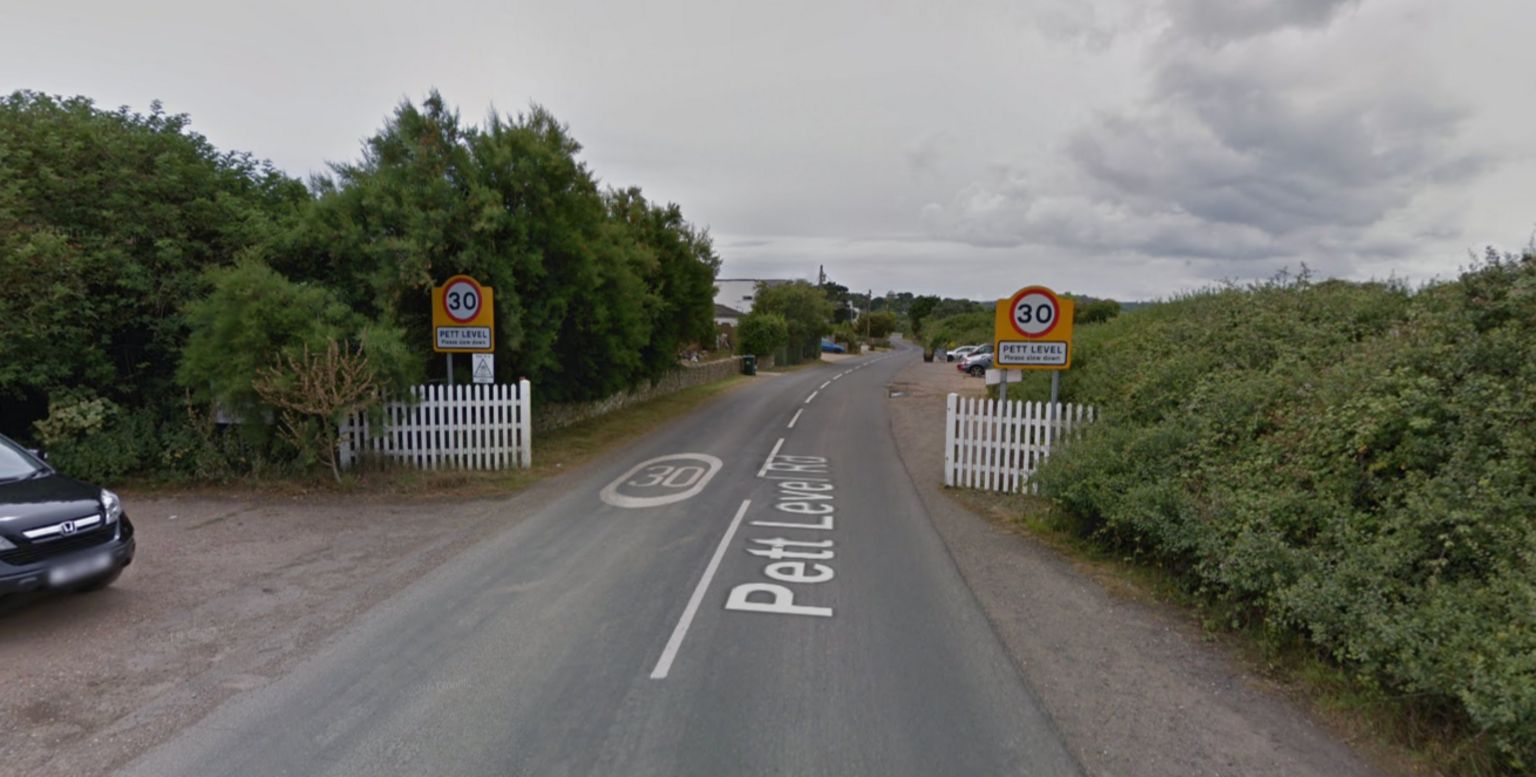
(960, 353)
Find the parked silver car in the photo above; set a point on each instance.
(977, 364)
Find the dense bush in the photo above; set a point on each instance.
(108, 220)
(96, 440)
(846, 335)
(806, 311)
(1350, 464)
(950, 332)
(878, 325)
(255, 318)
(762, 334)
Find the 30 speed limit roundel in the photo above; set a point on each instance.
(461, 300)
(1034, 311)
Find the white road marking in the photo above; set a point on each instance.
(796, 418)
(811, 397)
(771, 454)
(826, 383)
(664, 664)
(661, 475)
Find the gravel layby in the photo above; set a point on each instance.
(225, 594)
(1132, 685)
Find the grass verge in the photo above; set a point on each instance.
(1397, 734)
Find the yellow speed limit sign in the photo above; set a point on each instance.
(1033, 331)
(463, 316)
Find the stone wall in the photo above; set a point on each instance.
(549, 417)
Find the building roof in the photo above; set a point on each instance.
(722, 311)
(768, 281)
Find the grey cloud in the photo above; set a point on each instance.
(1073, 20)
(1234, 154)
(926, 155)
(1221, 21)
(1250, 147)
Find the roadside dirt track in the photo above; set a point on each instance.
(225, 594)
(1132, 685)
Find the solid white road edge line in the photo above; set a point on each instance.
(796, 418)
(771, 454)
(664, 664)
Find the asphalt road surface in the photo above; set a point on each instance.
(753, 590)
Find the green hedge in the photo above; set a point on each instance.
(1353, 465)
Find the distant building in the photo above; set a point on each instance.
(734, 298)
(726, 315)
(738, 294)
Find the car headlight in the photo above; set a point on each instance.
(111, 506)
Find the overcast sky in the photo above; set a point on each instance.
(1125, 148)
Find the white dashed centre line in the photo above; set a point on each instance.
(826, 384)
(796, 418)
(664, 664)
(811, 397)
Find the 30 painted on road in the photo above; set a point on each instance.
(662, 480)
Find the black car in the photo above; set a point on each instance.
(56, 532)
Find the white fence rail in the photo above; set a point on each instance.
(476, 426)
(997, 445)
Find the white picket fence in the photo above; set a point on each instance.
(476, 426)
(997, 445)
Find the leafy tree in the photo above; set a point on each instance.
(953, 307)
(107, 221)
(761, 334)
(919, 310)
(806, 311)
(678, 266)
(842, 305)
(594, 293)
(879, 325)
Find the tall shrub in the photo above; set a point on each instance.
(1349, 464)
(761, 334)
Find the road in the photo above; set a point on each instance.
(790, 611)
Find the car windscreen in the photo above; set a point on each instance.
(14, 462)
